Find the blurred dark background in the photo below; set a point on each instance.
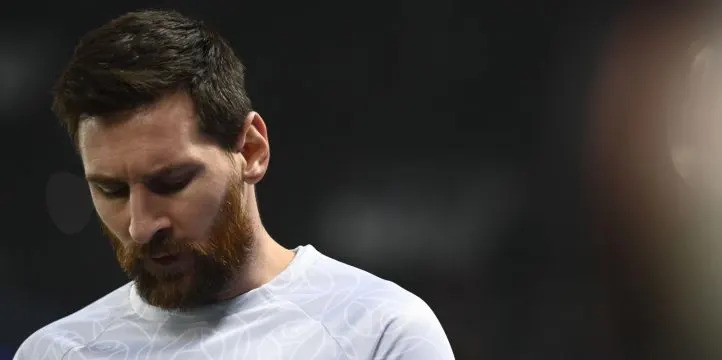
(439, 144)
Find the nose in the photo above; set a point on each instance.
(146, 219)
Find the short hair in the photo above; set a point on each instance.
(140, 57)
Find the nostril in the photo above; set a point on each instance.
(146, 233)
(160, 235)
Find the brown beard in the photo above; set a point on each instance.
(214, 262)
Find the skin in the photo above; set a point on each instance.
(136, 200)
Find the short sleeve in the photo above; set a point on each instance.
(415, 334)
(40, 346)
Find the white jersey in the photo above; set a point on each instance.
(317, 308)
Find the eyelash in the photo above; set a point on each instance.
(117, 193)
(160, 187)
(170, 187)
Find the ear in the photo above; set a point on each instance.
(252, 144)
(684, 128)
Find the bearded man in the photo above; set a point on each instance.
(156, 106)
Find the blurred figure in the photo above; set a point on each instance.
(156, 105)
(655, 165)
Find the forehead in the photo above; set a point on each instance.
(134, 142)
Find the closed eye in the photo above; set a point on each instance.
(170, 186)
(166, 181)
(112, 190)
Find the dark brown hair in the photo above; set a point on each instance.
(136, 59)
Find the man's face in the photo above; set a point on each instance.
(169, 199)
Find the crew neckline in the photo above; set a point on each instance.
(303, 256)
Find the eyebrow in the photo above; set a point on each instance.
(168, 170)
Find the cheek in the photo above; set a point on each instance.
(196, 216)
(111, 215)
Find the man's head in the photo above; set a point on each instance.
(138, 58)
(156, 106)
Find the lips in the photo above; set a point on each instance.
(164, 264)
(164, 258)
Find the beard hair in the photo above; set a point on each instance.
(215, 261)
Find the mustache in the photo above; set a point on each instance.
(131, 256)
(162, 242)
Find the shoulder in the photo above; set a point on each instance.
(365, 314)
(77, 329)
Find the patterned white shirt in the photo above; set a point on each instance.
(317, 308)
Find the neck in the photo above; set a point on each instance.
(266, 260)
